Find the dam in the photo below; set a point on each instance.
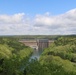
(38, 44)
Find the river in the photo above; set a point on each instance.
(36, 54)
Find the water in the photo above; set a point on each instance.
(36, 54)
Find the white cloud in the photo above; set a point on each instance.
(16, 18)
(60, 24)
(13, 24)
(40, 24)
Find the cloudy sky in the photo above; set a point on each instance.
(37, 17)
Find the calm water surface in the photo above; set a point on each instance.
(36, 54)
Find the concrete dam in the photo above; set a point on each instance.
(38, 44)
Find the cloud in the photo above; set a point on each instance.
(16, 18)
(60, 24)
(13, 24)
(46, 24)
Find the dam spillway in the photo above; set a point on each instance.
(42, 44)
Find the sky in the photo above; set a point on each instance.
(37, 17)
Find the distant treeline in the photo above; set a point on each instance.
(50, 37)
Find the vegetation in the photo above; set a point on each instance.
(58, 59)
(13, 56)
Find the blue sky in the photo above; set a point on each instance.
(30, 15)
(33, 7)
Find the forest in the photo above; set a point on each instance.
(13, 56)
(58, 59)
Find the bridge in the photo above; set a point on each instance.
(38, 44)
